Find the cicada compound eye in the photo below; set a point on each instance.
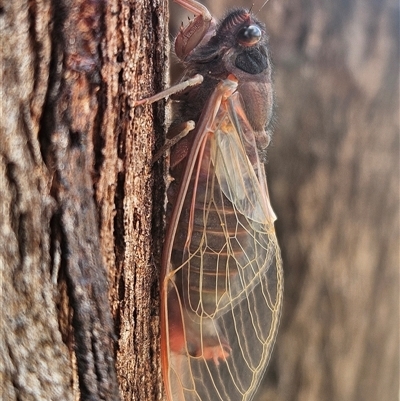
(249, 35)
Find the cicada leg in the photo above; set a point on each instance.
(196, 8)
(190, 36)
(196, 80)
(177, 133)
(184, 330)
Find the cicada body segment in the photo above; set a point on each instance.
(222, 280)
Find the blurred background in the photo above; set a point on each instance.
(333, 174)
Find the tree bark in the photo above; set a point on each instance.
(335, 181)
(77, 199)
(130, 190)
(35, 360)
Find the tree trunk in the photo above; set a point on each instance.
(335, 181)
(77, 199)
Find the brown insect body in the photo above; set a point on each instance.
(222, 276)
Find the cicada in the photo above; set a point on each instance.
(222, 279)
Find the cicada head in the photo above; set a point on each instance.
(238, 46)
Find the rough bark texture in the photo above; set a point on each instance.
(134, 67)
(333, 173)
(34, 360)
(76, 199)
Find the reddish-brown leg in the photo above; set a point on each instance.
(190, 36)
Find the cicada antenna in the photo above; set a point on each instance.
(265, 2)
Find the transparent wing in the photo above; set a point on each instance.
(224, 287)
(240, 173)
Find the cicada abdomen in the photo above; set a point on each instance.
(222, 277)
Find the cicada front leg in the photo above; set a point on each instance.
(196, 80)
(199, 29)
